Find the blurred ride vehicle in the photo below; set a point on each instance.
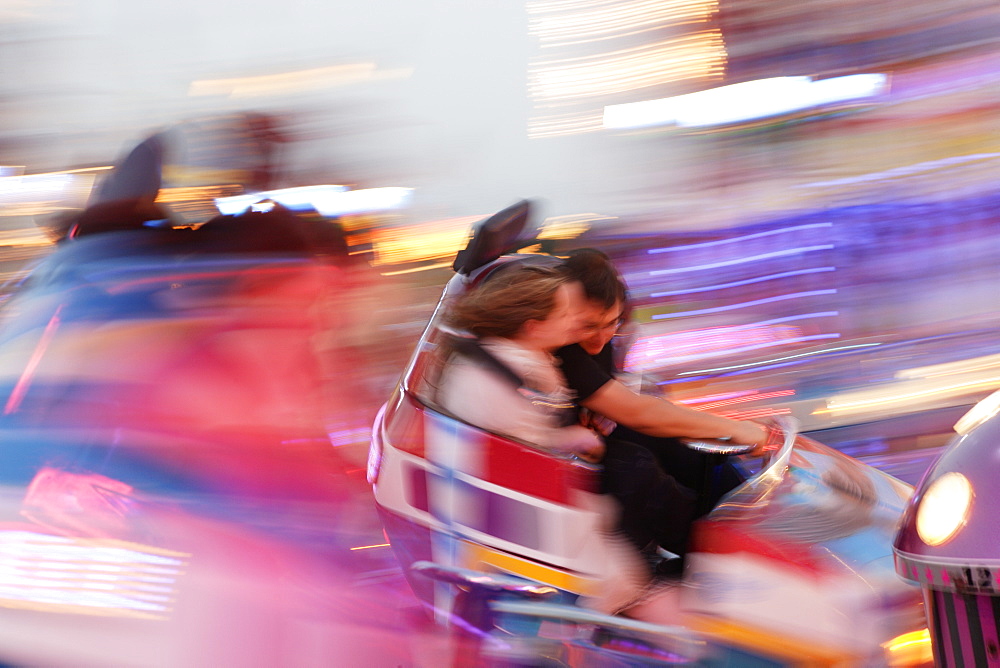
(169, 492)
(503, 540)
(947, 542)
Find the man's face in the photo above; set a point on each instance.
(599, 325)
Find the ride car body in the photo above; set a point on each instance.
(794, 566)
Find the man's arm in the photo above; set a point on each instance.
(658, 417)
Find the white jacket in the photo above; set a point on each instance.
(482, 397)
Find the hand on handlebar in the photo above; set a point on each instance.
(751, 433)
(772, 439)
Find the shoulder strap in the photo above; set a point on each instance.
(473, 349)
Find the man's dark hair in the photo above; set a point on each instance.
(601, 281)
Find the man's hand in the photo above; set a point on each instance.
(750, 433)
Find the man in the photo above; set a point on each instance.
(654, 477)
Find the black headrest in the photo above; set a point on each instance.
(501, 233)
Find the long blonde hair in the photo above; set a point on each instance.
(505, 302)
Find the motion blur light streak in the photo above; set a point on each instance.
(755, 302)
(747, 101)
(36, 194)
(716, 397)
(810, 353)
(747, 348)
(293, 198)
(708, 403)
(756, 413)
(630, 69)
(652, 352)
(17, 394)
(928, 166)
(790, 318)
(421, 242)
(105, 577)
(595, 19)
(595, 52)
(743, 260)
(951, 368)
(369, 547)
(739, 284)
(738, 239)
(570, 226)
(299, 81)
(364, 200)
(910, 649)
(907, 394)
(414, 270)
(11, 239)
(565, 124)
(327, 200)
(184, 194)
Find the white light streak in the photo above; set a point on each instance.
(59, 573)
(733, 240)
(810, 353)
(749, 281)
(299, 81)
(906, 170)
(747, 101)
(561, 23)
(328, 200)
(742, 260)
(755, 302)
(695, 56)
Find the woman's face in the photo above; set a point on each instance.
(562, 326)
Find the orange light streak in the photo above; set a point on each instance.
(369, 547)
(742, 400)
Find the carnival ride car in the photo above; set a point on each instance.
(503, 540)
(947, 542)
(170, 493)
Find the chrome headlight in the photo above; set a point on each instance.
(944, 508)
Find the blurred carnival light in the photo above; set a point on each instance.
(433, 244)
(917, 389)
(292, 198)
(327, 200)
(747, 101)
(295, 82)
(108, 577)
(597, 52)
(36, 194)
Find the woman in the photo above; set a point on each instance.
(507, 381)
(519, 317)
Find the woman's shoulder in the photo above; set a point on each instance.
(512, 353)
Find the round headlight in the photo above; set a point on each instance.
(944, 508)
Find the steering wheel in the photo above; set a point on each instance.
(779, 430)
(781, 434)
